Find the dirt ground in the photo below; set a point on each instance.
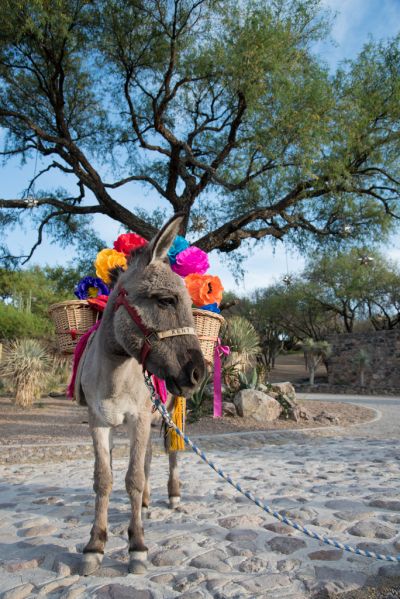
(58, 420)
(291, 368)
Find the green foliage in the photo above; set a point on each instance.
(246, 382)
(242, 339)
(15, 324)
(26, 364)
(26, 296)
(197, 402)
(200, 100)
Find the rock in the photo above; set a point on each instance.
(119, 591)
(241, 535)
(257, 405)
(19, 592)
(284, 389)
(243, 521)
(258, 584)
(228, 409)
(253, 564)
(287, 565)
(326, 555)
(278, 527)
(39, 531)
(73, 593)
(325, 416)
(286, 545)
(326, 573)
(372, 529)
(168, 558)
(54, 585)
(212, 560)
(388, 504)
(17, 565)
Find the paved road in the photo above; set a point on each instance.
(344, 483)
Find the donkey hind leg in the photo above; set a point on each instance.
(94, 550)
(174, 486)
(139, 430)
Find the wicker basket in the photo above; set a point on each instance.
(207, 325)
(72, 319)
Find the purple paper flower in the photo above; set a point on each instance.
(211, 308)
(90, 287)
(190, 261)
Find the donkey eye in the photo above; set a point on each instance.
(165, 302)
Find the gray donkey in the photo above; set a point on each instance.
(147, 324)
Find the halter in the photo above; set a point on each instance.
(150, 336)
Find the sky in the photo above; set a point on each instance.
(354, 22)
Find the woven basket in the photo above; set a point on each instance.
(207, 325)
(72, 319)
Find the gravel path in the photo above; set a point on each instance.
(342, 482)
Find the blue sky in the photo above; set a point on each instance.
(355, 21)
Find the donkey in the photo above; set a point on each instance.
(147, 324)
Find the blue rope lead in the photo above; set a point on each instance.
(310, 533)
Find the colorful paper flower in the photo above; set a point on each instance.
(128, 242)
(212, 308)
(189, 261)
(106, 260)
(90, 287)
(178, 246)
(204, 289)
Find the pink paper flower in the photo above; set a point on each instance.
(190, 261)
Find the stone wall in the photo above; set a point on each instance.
(383, 349)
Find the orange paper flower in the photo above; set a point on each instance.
(106, 260)
(204, 289)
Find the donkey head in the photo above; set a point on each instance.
(162, 302)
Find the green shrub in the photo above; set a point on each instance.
(16, 324)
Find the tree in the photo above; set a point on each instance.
(293, 311)
(314, 353)
(345, 285)
(221, 108)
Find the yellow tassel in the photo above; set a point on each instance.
(176, 443)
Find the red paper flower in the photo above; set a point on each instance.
(128, 242)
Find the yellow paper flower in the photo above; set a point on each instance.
(106, 260)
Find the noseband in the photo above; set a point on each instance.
(150, 336)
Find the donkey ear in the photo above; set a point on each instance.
(160, 245)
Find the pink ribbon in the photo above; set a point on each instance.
(219, 351)
(160, 387)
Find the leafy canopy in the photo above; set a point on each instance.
(221, 108)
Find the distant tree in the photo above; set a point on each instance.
(220, 108)
(346, 285)
(314, 353)
(26, 295)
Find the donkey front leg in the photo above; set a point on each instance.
(94, 550)
(174, 493)
(139, 430)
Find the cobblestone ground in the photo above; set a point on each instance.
(344, 483)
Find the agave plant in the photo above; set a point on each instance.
(243, 340)
(26, 364)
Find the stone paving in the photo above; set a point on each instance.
(344, 483)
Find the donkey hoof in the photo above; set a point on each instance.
(174, 501)
(137, 562)
(90, 562)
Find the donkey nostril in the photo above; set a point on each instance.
(195, 376)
